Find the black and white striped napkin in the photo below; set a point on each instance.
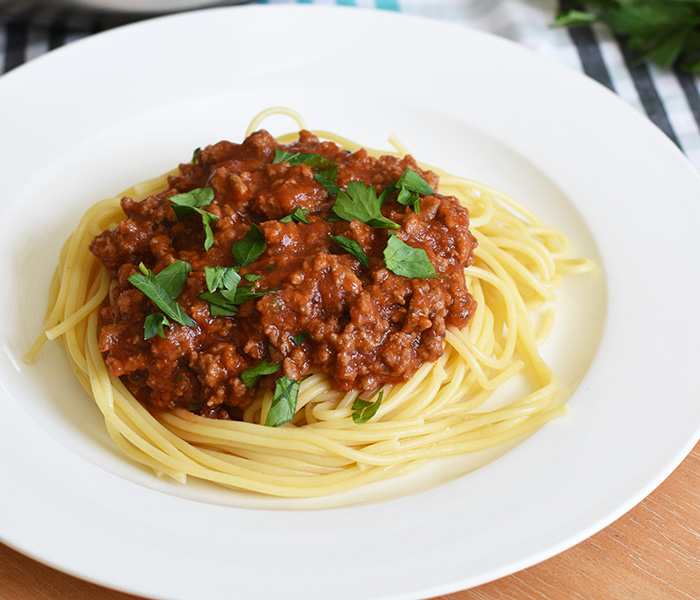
(669, 97)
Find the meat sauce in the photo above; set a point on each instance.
(364, 327)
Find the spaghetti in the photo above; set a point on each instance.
(447, 407)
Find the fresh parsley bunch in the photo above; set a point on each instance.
(666, 32)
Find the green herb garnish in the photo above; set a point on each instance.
(284, 402)
(352, 247)
(193, 201)
(173, 277)
(194, 156)
(219, 306)
(155, 325)
(330, 185)
(252, 375)
(411, 181)
(222, 283)
(317, 162)
(226, 292)
(299, 338)
(222, 278)
(407, 261)
(359, 201)
(162, 289)
(298, 216)
(663, 31)
(245, 292)
(410, 185)
(364, 410)
(248, 249)
(408, 198)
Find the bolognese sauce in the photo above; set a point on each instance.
(309, 304)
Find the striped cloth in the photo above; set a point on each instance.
(670, 98)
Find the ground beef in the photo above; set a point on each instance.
(365, 327)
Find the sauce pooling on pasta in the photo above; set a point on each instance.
(305, 303)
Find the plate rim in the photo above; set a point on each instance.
(661, 474)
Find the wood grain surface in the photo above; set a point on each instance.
(651, 553)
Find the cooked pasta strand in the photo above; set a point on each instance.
(442, 410)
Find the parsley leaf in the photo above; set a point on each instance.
(284, 402)
(244, 292)
(225, 292)
(252, 375)
(222, 278)
(219, 306)
(363, 410)
(298, 216)
(222, 283)
(411, 181)
(173, 277)
(408, 198)
(405, 260)
(298, 339)
(317, 162)
(330, 185)
(359, 201)
(352, 247)
(665, 32)
(248, 249)
(162, 292)
(154, 325)
(196, 198)
(410, 186)
(190, 202)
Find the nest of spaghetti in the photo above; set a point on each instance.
(299, 316)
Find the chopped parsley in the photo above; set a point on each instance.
(224, 278)
(364, 410)
(410, 185)
(298, 339)
(284, 402)
(330, 184)
(252, 375)
(248, 249)
(245, 292)
(359, 201)
(352, 247)
(162, 289)
(405, 260)
(226, 292)
(190, 202)
(155, 325)
(317, 162)
(222, 283)
(298, 216)
(411, 181)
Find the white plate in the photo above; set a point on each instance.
(94, 117)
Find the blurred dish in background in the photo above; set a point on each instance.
(114, 6)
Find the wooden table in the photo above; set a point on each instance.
(651, 553)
